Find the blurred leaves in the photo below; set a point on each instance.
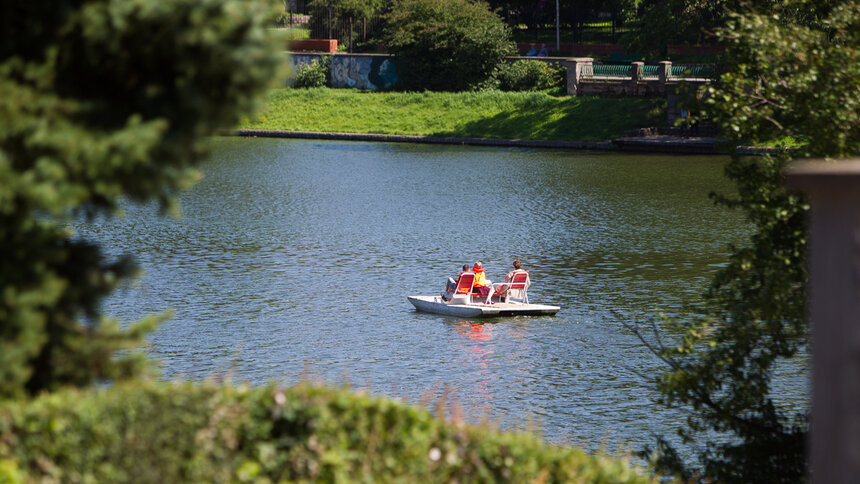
(157, 432)
(792, 71)
(102, 100)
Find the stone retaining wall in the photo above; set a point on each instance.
(378, 71)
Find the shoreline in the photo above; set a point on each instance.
(442, 140)
(643, 144)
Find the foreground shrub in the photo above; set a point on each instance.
(103, 102)
(446, 45)
(530, 75)
(315, 74)
(204, 433)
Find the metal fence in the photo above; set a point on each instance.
(600, 32)
(328, 23)
(649, 71)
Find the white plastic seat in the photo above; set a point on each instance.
(515, 289)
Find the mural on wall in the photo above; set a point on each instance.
(356, 71)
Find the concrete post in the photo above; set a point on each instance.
(834, 291)
(636, 71)
(664, 71)
(576, 68)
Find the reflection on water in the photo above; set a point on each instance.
(478, 348)
(295, 258)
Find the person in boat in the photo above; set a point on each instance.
(518, 267)
(482, 285)
(502, 289)
(452, 284)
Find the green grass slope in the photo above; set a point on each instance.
(484, 114)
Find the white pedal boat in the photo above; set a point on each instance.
(505, 300)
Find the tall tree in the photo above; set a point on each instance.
(101, 100)
(446, 45)
(793, 71)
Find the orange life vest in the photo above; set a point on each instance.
(480, 279)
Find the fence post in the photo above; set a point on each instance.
(664, 72)
(575, 70)
(636, 71)
(834, 300)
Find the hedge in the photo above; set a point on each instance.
(159, 432)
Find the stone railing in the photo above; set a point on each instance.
(585, 77)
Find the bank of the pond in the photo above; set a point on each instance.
(446, 140)
(465, 115)
(649, 144)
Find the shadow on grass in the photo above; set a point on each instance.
(568, 119)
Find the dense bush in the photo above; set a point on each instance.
(315, 74)
(529, 75)
(203, 433)
(446, 45)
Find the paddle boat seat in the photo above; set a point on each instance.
(463, 290)
(514, 289)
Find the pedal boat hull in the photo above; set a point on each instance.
(435, 305)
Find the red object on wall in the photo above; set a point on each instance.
(313, 45)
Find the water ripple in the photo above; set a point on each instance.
(293, 259)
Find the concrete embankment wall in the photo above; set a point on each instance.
(358, 71)
(379, 71)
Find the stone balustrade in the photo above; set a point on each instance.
(585, 77)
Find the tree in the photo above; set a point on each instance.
(793, 72)
(675, 22)
(446, 45)
(102, 100)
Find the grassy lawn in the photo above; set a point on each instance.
(489, 114)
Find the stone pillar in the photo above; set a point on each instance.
(576, 67)
(664, 72)
(636, 71)
(834, 291)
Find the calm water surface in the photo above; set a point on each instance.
(294, 259)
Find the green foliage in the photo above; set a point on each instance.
(675, 22)
(785, 78)
(102, 100)
(315, 74)
(350, 8)
(483, 114)
(203, 433)
(530, 75)
(789, 79)
(446, 45)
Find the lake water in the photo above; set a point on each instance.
(294, 259)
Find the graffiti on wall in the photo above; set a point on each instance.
(356, 71)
